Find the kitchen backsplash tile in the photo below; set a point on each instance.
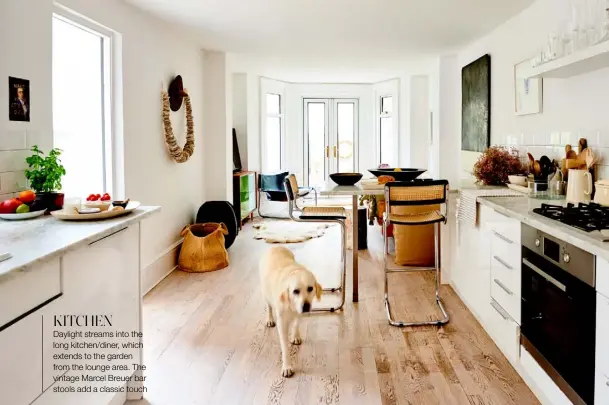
(552, 144)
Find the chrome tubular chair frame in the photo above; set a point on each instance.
(321, 214)
(415, 193)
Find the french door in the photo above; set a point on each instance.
(330, 138)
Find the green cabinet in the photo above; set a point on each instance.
(244, 195)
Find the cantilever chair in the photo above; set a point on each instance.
(321, 214)
(416, 193)
(271, 185)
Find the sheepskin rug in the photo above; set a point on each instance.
(288, 231)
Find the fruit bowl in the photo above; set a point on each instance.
(346, 179)
(402, 174)
(25, 215)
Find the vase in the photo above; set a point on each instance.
(51, 201)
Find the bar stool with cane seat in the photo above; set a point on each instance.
(415, 193)
(320, 214)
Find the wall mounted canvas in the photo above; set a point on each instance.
(528, 92)
(19, 99)
(476, 105)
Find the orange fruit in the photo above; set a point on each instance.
(27, 196)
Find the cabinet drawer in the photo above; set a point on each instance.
(504, 331)
(29, 289)
(504, 251)
(506, 296)
(505, 228)
(21, 365)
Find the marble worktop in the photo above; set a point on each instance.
(521, 208)
(36, 240)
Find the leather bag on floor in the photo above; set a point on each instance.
(203, 248)
(414, 244)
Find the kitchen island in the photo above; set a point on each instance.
(513, 270)
(66, 281)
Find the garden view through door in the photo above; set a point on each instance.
(330, 138)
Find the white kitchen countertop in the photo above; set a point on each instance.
(521, 208)
(36, 240)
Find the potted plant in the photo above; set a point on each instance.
(44, 175)
(495, 165)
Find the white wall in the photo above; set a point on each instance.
(218, 144)
(29, 57)
(153, 52)
(389, 88)
(572, 108)
(240, 114)
(419, 122)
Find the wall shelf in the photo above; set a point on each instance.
(583, 61)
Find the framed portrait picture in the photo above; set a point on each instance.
(528, 92)
(19, 99)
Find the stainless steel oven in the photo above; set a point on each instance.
(559, 311)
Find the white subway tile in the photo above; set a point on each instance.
(6, 196)
(554, 138)
(12, 182)
(602, 172)
(12, 140)
(13, 160)
(603, 138)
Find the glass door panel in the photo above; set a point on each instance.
(345, 136)
(316, 129)
(331, 131)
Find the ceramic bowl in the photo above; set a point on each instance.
(518, 180)
(346, 179)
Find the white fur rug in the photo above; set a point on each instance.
(288, 231)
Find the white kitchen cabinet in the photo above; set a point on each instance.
(504, 330)
(601, 387)
(21, 361)
(28, 290)
(602, 276)
(472, 271)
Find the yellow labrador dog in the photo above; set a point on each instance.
(289, 289)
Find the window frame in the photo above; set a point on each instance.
(111, 120)
(383, 114)
(280, 116)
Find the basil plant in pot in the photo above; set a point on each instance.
(44, 175)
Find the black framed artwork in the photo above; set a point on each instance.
(476, 105)
(19, 99)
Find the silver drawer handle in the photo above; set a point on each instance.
(545, 275)
(500, 236)
(503, 287)
(499, 310)
(502, 262)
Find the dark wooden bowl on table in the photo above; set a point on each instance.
(404, 174)
(346, 179)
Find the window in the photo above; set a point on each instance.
(272, 161)
(386, 138)
(81, 105)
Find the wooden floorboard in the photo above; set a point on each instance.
(207, 342)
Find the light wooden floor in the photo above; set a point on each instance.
(207, 343)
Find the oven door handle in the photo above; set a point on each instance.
(545, 275)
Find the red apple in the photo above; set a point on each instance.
(9, 206)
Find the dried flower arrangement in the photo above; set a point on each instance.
(496, 164)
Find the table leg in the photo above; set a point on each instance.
(354, 248)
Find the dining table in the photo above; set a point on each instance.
(331, 189)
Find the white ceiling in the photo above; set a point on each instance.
(330, 28)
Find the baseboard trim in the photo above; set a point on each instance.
(161, 267)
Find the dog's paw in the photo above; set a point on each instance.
(287, 372)
(296, 340)
(270, 324)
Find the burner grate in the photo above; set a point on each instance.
(587, 217)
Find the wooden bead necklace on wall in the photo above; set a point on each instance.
(172, 100)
